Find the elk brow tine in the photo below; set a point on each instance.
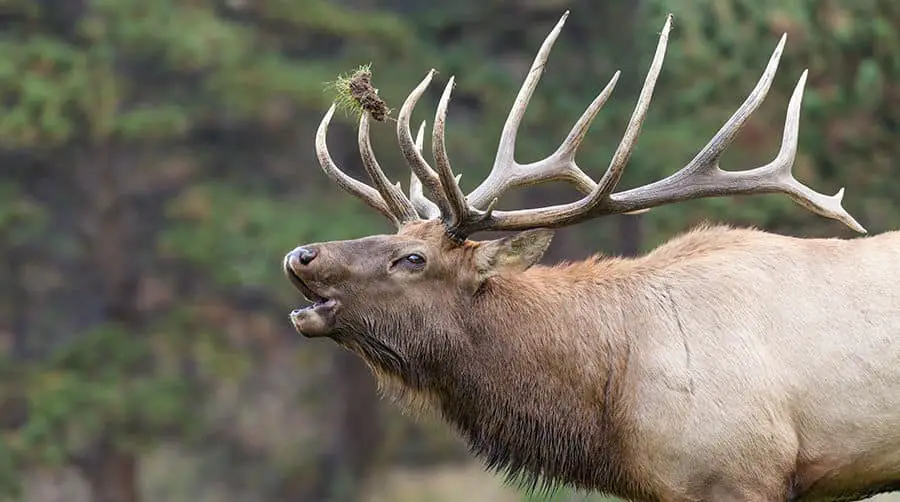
(393, 197)
(413, 156)
(454, 194)
(362, 191)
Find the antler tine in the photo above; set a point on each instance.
(626, 146)
(507, 145)
(364, 192)
(425, 207)
(823, 205)
(559, 166)
(506, 173)
(392, 195)
(455, 197)
(427, 176)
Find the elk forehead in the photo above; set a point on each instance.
(426, 235)
(430, 231)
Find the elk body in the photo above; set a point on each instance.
(726, 365)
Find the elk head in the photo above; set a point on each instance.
(411, 297)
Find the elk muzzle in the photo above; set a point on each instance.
(316, 319)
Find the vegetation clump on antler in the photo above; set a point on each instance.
(355, 94)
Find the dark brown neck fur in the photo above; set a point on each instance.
(534, 402)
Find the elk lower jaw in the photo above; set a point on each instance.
(315, 320)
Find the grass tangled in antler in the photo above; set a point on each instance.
(354, 94)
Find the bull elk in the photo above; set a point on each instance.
(726, 364)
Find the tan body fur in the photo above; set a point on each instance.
(747, 362)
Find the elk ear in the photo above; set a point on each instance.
(514, 253)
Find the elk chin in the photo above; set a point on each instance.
(315, 320)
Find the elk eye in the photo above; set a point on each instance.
(412, 261)
(415, 259)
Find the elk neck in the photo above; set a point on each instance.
(537, 394)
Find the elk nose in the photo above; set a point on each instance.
(304, 255)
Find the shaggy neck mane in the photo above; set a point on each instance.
(537, 395)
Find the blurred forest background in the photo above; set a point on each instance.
(157, 163)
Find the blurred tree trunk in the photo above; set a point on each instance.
(18, 305)
(108, 229)
(112, 476)
(630, 234)
(358, 429)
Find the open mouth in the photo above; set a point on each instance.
(317, 301)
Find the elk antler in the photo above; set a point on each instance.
(700, 178)
(388, 199)
(425, 207)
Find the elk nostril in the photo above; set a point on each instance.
(306, 255)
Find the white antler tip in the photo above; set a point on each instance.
(488, 212)
(326, 119)
(852, 223)
(841, 214)
(559, 24)
(427, 79)
(801, 84)
(668, 24)
(781, 44)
